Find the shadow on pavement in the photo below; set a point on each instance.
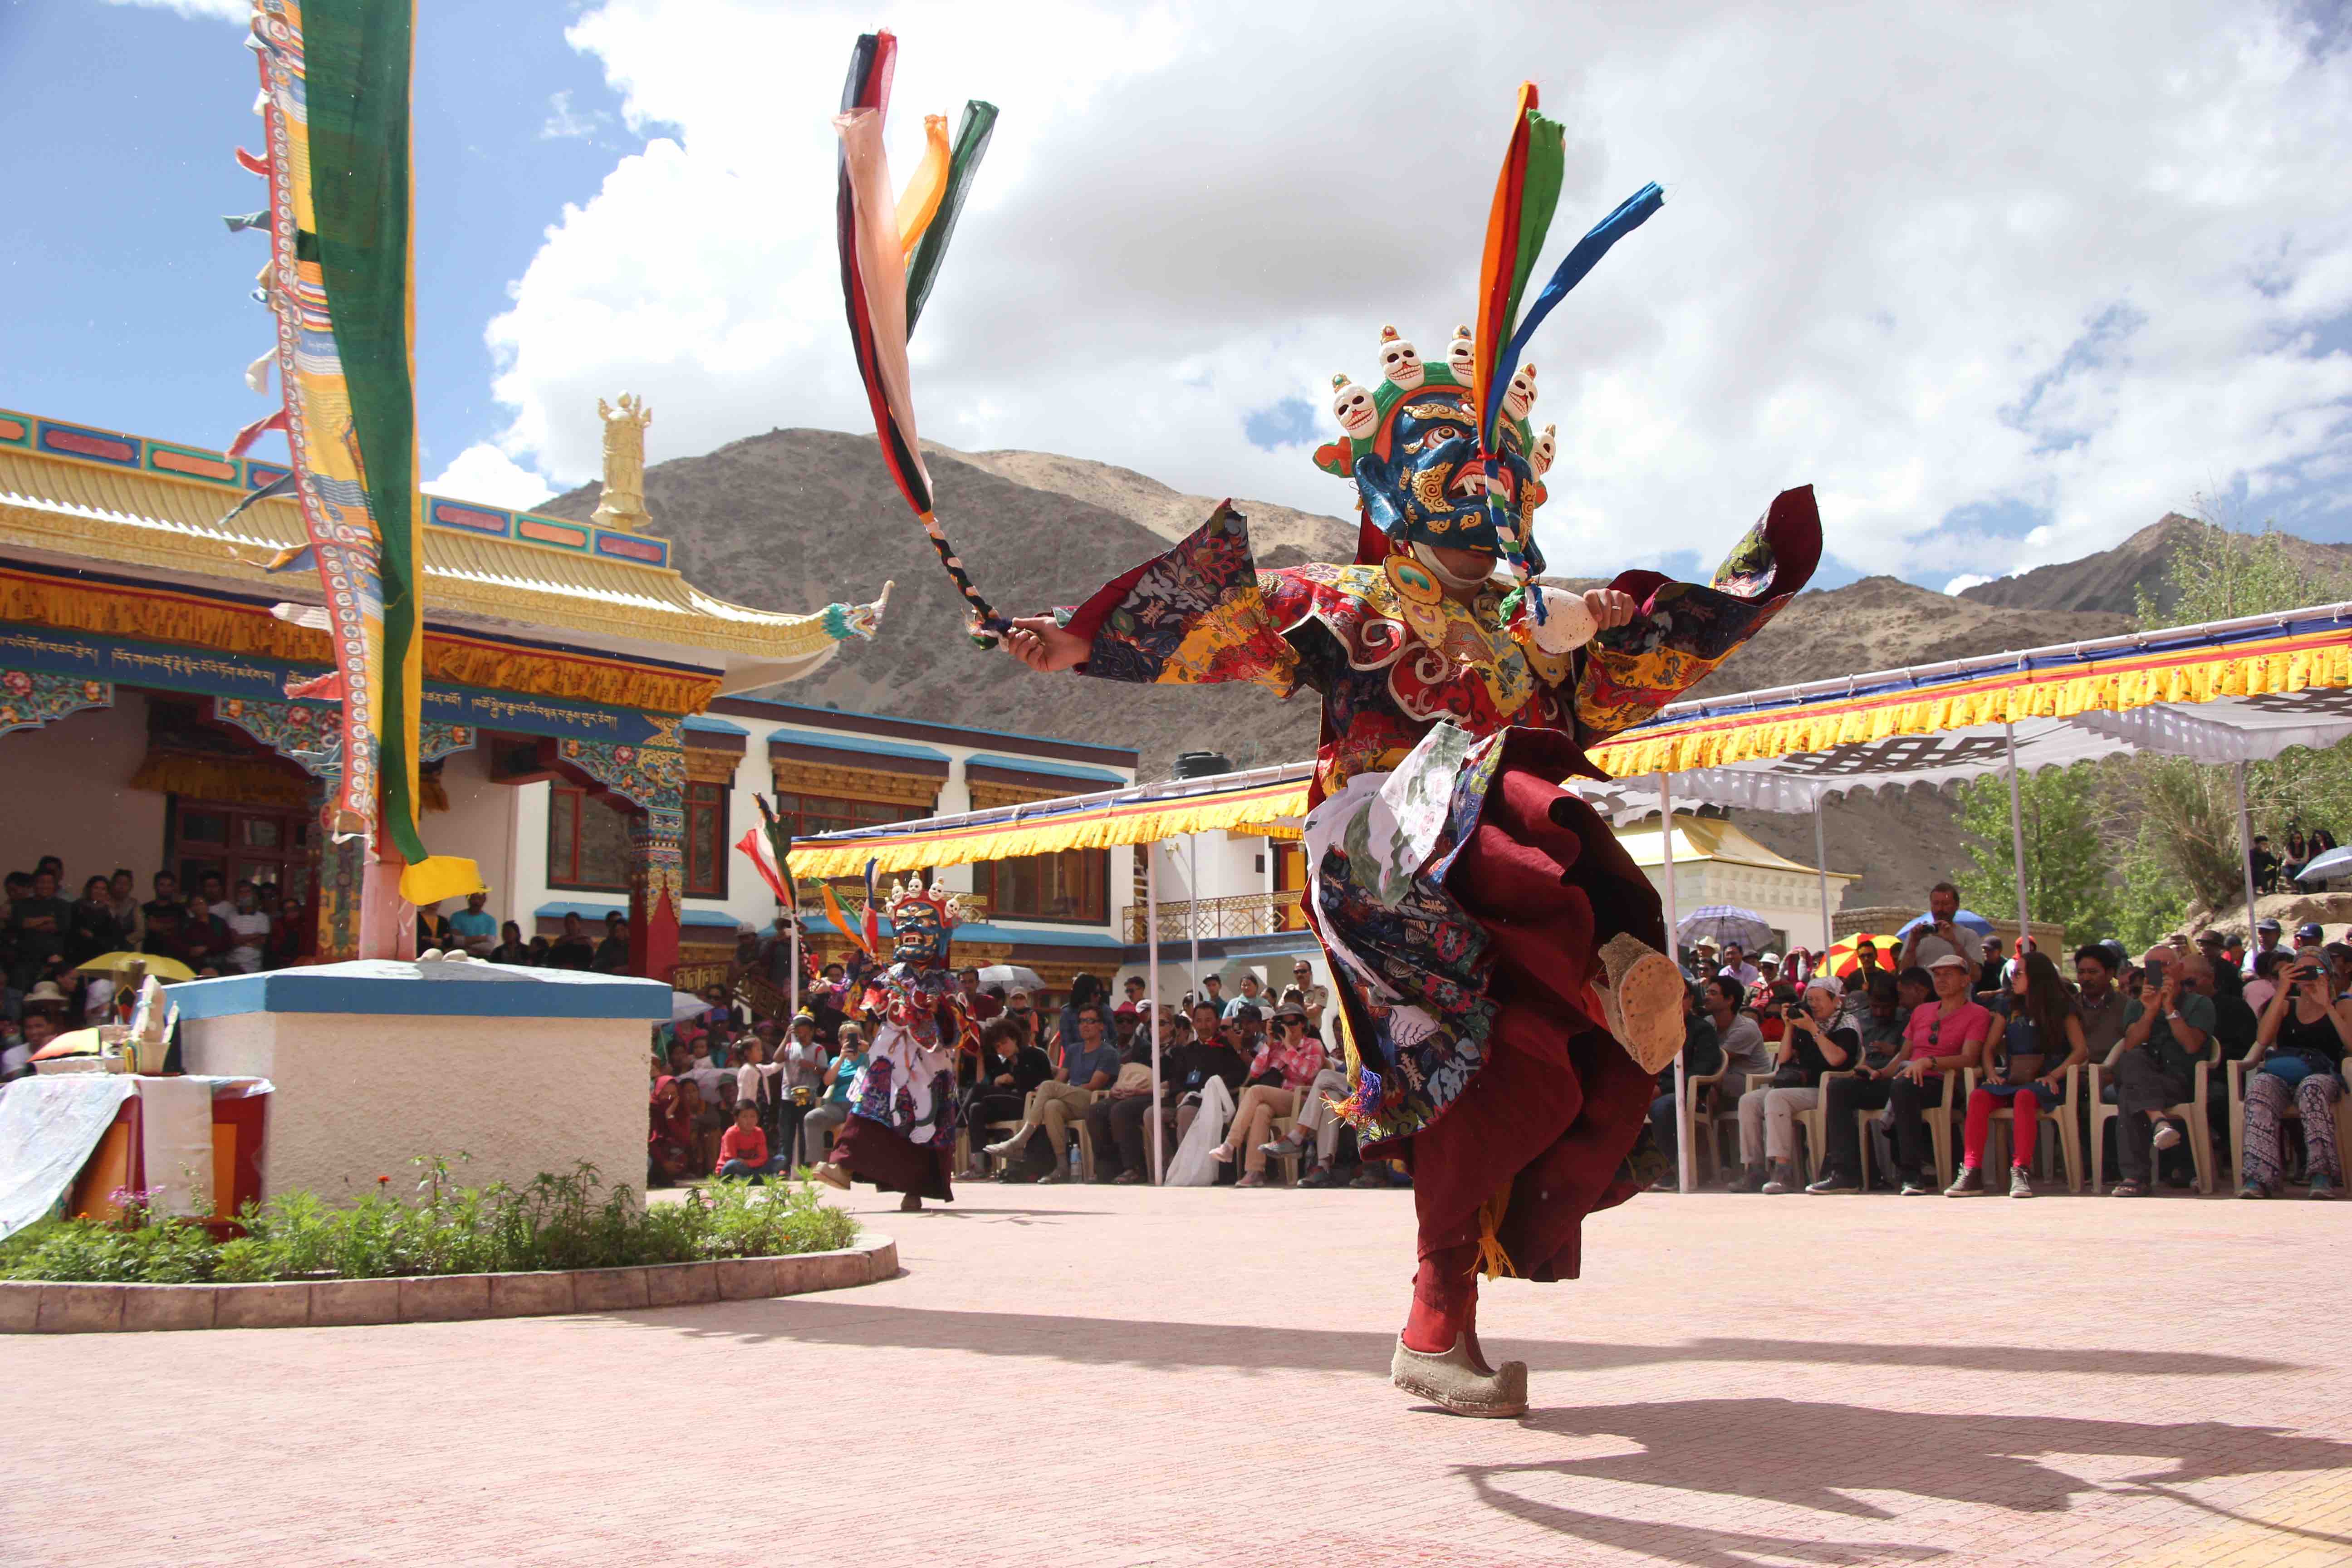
(845, 1321)
(1813, 1454)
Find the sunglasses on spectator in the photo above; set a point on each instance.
(1292, 1020)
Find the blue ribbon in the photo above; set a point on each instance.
(1631, 214)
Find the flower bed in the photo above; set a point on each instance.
(556, 1222)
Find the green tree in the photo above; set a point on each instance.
(2178, 819)
(2067, 861)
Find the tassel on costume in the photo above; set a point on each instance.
(1493, 1261)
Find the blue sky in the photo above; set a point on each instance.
(2003, 287)
(131, 303)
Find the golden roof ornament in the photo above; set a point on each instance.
(623, 504)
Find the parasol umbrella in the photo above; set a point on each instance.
(1012, 977)
(72, 1043)
(166, 969)
(1967, 919)
(1721, 924)
(2335, 863)
(1844, 958)
(685, 1004)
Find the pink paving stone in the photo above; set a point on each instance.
(20, 1306)
(1854, 1381)
(743, 1278)
(681, 1285)
(79, 1308)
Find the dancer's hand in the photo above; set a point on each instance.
(1610, 607)
(1039, 642)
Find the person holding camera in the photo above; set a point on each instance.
(2298, 1058)
(2166, 1027)
(1812, 1042)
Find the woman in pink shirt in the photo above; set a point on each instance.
(1285, 1066)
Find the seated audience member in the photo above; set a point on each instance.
(2099, 1003)
(612, 954)
(571, 950)
(1316, 1120)
(1135, 988)
(293, 933)
(1941, 1037)
(2262, 985)
(1879, 1021)
(2167, 1027)
(511, 948)
(1814, 1044)
(743, 1151)
(2298, 1058)
(93, 930)
(1128, 1117)
(840, 1073)
(1315, 998)
(1022, 1008)
(1736, 966)
(2040, 1038)
(1215, 1054)
(39, 924)
(474, 928)
(1129, 1098)
(670, 1141)
(248, 930)
(1702, 1054)
(1089, 1065)
(2234, 1022)
(1253, 994)
(122, 899)
(979, 1006)
(1279, 1073)
(542, 954)
(1011, 1069)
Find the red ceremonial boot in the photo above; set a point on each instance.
(1437, 1355)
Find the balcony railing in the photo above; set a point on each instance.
(1242, 914)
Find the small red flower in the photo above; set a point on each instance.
(384, 1181)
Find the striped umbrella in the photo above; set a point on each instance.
(1844, 957)
(890, 253)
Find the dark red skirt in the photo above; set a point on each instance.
(1558, 1103)
(881, 1155)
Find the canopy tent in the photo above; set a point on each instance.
(1262, 801)
(1144, 814)
(2232, 691)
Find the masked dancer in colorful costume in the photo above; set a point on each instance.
(901, 1133)
(1496, 952)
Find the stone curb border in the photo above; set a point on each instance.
(34, 1307)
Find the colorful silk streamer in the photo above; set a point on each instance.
(884, 285)
(335, 108)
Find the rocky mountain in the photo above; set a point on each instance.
(2111, 581)
(794, 519)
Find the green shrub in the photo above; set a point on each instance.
(555, 1222)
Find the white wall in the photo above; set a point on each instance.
(479, 825)
(358, 1097)
(63, 791)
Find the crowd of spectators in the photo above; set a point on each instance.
(1768, 1041)
(1045, 1068)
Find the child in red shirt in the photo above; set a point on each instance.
(743, 1150)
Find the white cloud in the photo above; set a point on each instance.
(483, 473)
(2033, 263)
(241, 11)
(564, 123)
(1964, 581)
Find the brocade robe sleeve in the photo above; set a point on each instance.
(1199, 613)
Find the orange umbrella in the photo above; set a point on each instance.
(1846, 957)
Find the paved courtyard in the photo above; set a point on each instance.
(1115, 1376)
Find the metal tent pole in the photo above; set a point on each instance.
(1684, 1178)
(1151, 936)
(2246, 854)
(1193, 910)
(2016, 827)
(1821, 865)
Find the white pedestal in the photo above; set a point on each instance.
(379, 1062)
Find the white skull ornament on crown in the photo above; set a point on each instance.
(1353, 408)
(1521, 395)
(1458, 355)
(1547, 452)
(1400, 362)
